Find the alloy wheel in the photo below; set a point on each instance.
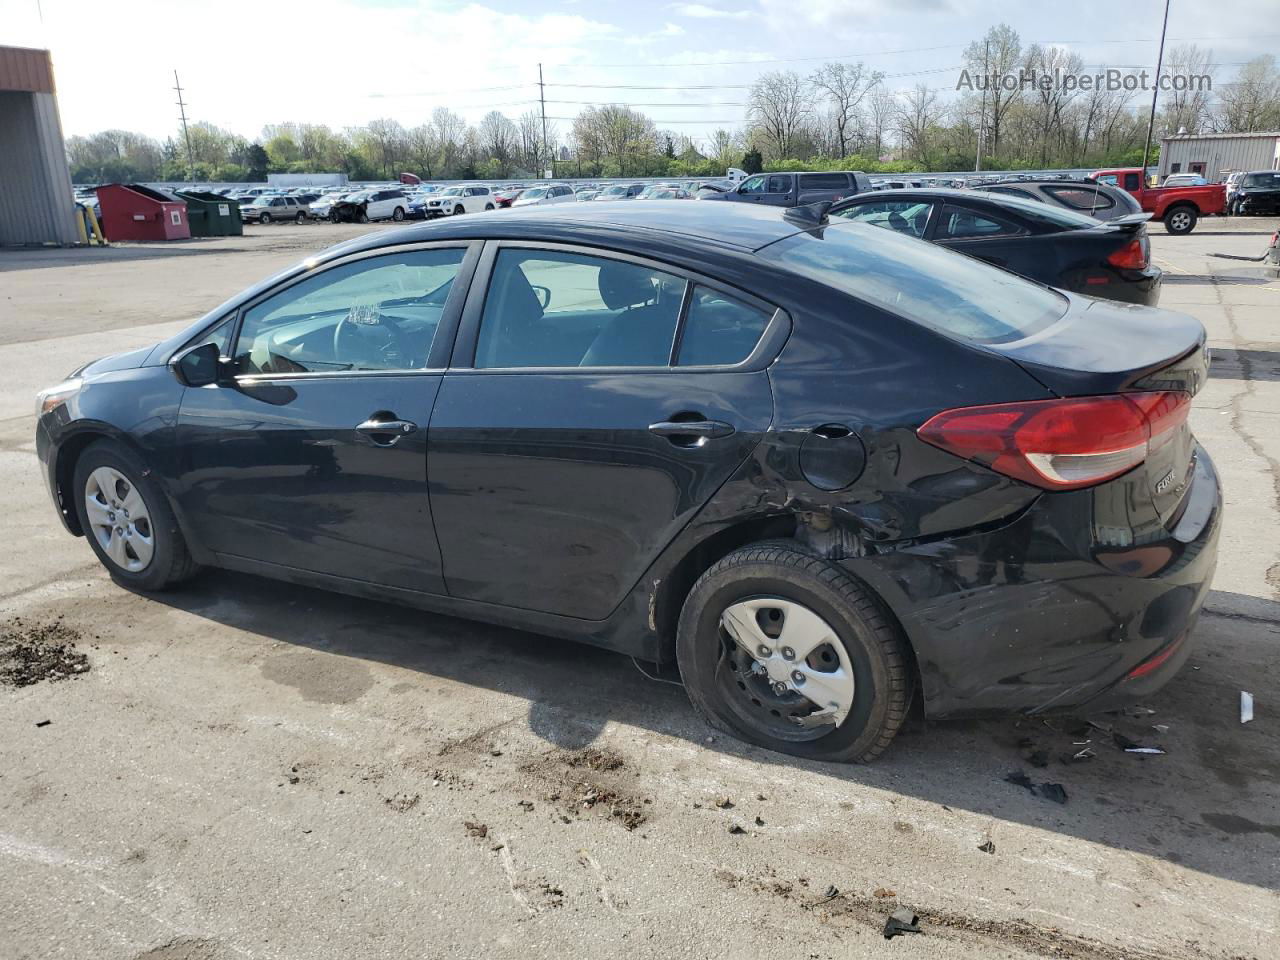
(119, 519)
(1179, 221)
(787, 672)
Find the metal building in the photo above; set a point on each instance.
(36, 202)
(1214, 155)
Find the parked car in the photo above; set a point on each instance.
(541, 196)
(867, 467)
(320, 208)
(370, 205)
(1044, 243)
(454, 201)
(587, 193)
(619, 191)
(668, 193)
(506, 196)
(795, 189)
(1097, 200)
(266, 209)
(1179, 207)
(1184, 180)
(1258, 192)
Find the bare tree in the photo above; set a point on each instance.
(499, 139)
(996, 55)
(779, 104)
(1252, 102)
(1187, 107)
(918, 118)
(449, 131)
(1052, 98)
(882, 107)
(845, 86)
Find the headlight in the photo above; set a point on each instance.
(53, 397)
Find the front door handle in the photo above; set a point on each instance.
(385, 433)
(691, 433)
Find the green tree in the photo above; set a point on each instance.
(752, 161)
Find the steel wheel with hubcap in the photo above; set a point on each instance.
(127, 519)
(264, 218)
(1180, 220)
(785, 649)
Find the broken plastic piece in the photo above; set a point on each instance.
(900, 921)
(1246, 707)
(988, 847)
(1152, 751)
(1053, 791)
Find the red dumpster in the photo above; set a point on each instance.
(131, 211)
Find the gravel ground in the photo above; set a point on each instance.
(249, 769)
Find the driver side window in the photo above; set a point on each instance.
(379, 313)
(754, 185)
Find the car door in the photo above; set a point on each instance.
(310, 453)
(751, 190)
(994, 238)
(566, 448)
(780, 190)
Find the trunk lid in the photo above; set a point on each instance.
(1103, 347)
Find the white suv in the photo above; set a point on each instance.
(386, 205)
(455, 200)
(556, 193)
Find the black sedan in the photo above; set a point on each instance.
(1055, 246)
(820, 467)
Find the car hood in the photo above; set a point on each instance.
(128, 360)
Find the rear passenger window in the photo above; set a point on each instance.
(719, 329)
(1079, 198)
(961, 224)
(550, 309)
(823, 181)
(779, 185)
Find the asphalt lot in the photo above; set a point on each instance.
(251, 769)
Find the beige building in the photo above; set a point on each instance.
(1214, 155)
(36, 202)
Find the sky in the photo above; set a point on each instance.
(247, 63)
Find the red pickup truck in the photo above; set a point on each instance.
(1179, 207)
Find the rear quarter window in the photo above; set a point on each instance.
(1080, 198)
(824, 181)
(929, 285)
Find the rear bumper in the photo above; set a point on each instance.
(1046, 613)
(1127, 286)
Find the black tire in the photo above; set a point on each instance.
(301, 217)
(398, 215)
(459, 211)
(1181, 219)
(264, 218)
(488, 206)
(876, 650)
(362, 216)
(334, 217)
(171, 561)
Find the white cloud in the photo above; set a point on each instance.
(701, 11)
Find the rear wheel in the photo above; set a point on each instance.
(398, 215)
(127, 520)
(783, 649)
(301, 217)
(1181, 220)
(488, 206)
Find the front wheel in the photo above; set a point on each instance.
(264, 218)
(127, 520)
(1180, 220)
(398, 215)
(300, 218)
(459, 210)
(788, 651)
(362, 216)
(488, 206)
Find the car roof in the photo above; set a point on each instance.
(744, 227)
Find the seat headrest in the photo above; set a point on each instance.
(623, 285)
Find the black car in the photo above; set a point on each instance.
(1051, 245)
(1097, 200)
(817, 465)
(1257, 192)
(795, 189)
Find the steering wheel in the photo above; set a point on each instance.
(366, 326)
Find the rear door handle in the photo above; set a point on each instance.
(691, 433)
(385, 433)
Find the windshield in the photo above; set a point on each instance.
(451, 192)
(613, 191)
(1263, 180)
(932, 286)
(534, 194)
(1043, 213)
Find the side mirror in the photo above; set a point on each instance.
(199, 366)
(543, 294)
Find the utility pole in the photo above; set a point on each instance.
(982, 116)
(542, 100)
(1155, 92)
(182, 112)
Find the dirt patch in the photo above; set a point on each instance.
(31, 652)
(1029, 937)
(591, 781)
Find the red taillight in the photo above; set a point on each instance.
(1132, 256)
(1061, 444)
